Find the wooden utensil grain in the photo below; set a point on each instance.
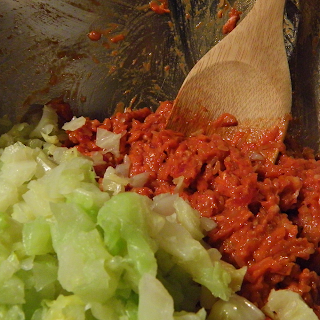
(246, 74)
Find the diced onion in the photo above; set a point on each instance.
(123, 168)
(74, 124)
(179, 183)
(256, 156)
(108, 141)
(139, 180)
(97, 158)
(164, 204)
(112, 182)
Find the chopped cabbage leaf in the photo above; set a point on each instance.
(287, 305)
(236, 308)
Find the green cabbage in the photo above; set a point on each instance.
(71, 251)
(287, 305)
(236, 308)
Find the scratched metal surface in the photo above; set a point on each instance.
(45, 53)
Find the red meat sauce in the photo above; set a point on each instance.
(267, 215)
(159, 6)
(234, 17)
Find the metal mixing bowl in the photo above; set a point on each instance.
(45, 53)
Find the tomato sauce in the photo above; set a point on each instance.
(117, 38)
(159, 6)
(267, 214)
(234, 17)
(94, 35)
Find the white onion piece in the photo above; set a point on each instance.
(179, 184)
(123, 168)
(139, 180)
(108, 141)
(112, 182)
(74, 124)
(207, 224)
(164, 204)
(257, 156)
(97, 158)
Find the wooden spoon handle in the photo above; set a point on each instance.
(265, 24)
(261, 30)
(246, 74)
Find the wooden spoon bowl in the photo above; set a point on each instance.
(246, 74)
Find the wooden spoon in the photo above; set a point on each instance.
(246, 74)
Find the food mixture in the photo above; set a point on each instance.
(266, 214)
(124, 219)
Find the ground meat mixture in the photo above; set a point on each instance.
(267, 215)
